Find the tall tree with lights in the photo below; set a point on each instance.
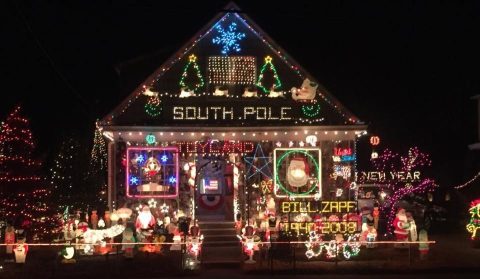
(392, 163)
(97, 173)
(18, 171)
(67, 175)
(24, 199)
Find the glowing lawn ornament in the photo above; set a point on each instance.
(474, 223)
(21, 251)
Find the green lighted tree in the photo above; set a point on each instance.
(276, 80)
(187, 82)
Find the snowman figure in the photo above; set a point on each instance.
(306, 92)
(298, 172)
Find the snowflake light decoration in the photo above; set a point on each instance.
(152, 203)
(140, 159)
(229, 38)
(134, 180)
(172, 179)
(164, 208)
(164, 158)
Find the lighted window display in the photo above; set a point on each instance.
(297, 172)
(152, 172)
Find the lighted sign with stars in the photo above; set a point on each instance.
(156, 177)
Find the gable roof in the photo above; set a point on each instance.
(260, 46)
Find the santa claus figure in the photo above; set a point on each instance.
(401, 225)
(145, 219)
(298, 172)
(306, 92)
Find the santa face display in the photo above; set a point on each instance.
(401, 225)
(306, 92)
(298, 172)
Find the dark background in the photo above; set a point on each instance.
(406, 68)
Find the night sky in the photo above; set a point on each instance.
(407, 69)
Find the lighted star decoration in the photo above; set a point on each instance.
(268, 59)
(164, 158)
(192, 58)
(164, 208)
(172, 179)
(259, 163)
(134, 180)
(229, 38)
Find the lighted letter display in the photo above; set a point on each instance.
(152, 172)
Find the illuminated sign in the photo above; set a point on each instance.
(344, 158)
(318, 207)
(380, 176)
(214, 146)
(327, 227)
(343, 171)
(297, 172)
(232, 113)
(342, 151)
(152, 172)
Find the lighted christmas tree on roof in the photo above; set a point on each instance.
(274, 81)
(188, 80)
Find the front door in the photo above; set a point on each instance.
(214, 190)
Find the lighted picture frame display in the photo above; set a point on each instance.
(297, 172)
(152, 172)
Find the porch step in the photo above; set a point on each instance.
(219, 234)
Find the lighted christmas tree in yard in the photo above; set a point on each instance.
(262, 82)
(67, 175)
(18, 171)
(24, 199)
(96, 184)
(402, 178)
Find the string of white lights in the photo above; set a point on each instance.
(468, 182)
